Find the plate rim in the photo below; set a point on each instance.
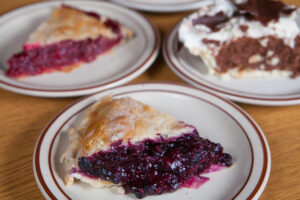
(162, 8)
(266, 166)
(79, 91)
(270, 100)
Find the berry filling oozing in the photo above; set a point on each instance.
(36, 59)
(156, 166)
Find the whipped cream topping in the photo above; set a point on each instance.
(194, 35)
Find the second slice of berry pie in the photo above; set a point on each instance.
(69, 38)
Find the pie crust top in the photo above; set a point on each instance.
(67, 23)
(126, 119)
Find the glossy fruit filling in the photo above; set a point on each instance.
(156, 166)
(58, 56)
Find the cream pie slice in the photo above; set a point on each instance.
(67, 39)
(245, 38)
(127, 145)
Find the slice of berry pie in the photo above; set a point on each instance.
(132, 147)
(67, 39)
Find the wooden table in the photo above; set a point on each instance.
(22, 119)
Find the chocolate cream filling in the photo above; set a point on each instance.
(252, 53)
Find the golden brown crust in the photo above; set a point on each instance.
(124, 119)
(66, 23)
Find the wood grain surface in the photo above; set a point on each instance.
(22, 119)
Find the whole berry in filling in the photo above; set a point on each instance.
(155, 166)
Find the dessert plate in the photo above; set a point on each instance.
(215, 118)
(163, 6)
(119, 66)
(280, 91)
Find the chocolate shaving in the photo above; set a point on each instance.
(208, 41)
(262, 10)
(212, 21)
(244, 28)
(259, 10)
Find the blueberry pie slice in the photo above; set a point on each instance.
(127, 145)
(67, 39)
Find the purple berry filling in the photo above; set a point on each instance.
(56, 56)
(156, 166)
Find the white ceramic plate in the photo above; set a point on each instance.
(163, 5)
(123, 64)
(254, 91)
(215, 118)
